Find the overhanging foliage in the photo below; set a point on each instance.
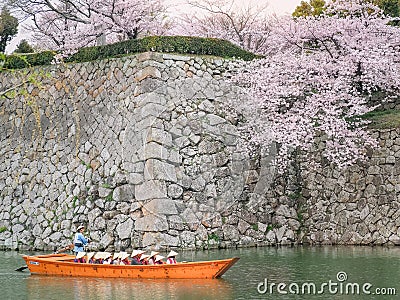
(164, 44)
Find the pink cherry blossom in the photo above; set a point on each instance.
(88, 22)
(316, 78)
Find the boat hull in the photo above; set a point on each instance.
(63, 265)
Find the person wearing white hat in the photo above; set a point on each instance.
(171, 257)
(144, 259)
(79, 257)
(89, 257)
(124, 259)
(158, 260)
(135, 257)
(116, 258)
(107, 258)
(98, 258)
(152, 257)
(79, 240)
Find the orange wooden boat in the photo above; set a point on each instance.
(64, 265)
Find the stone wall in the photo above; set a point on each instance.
(359, 205)
(141, 151)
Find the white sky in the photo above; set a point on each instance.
(274, 6)
(281, 6)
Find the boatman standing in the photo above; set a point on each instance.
(79, 240)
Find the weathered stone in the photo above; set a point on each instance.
(188, 238)
(159, 136)
(230, 232)
(158, 170)
(151, 239)
(270, 237)
(262, 227)
(124, 230)
(171, 241)
(279, 233)
(106, 240)
(176, 222)
(190, 219)
(243, 226)
(198, 184)
(151, 223)
(175, 191)
(99, 223)
(160, 207)
(151, 189)
(146, 73)
(17, 228)
(154, 150)
(93, 214)
(124, 193)
(55, 237)
(395, 239)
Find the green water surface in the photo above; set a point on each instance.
(261, 273)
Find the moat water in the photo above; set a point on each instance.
(301, 272)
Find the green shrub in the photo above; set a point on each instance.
(164, 44)
(19, 61)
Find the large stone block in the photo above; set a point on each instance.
(151, 223)
(147, 72)
(152, 109)
(161, 207)
(124, 192)
(156, 169)
(152, 189)
(159, 136)
(106, 240)
(145, 56)
(93, 214)
(155, 150)
(124, 230)
(151, 239)
(231, 232)
(171, 241)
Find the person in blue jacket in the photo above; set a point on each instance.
(79, 240)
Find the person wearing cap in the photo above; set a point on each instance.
(79, 257)
(171, 257)
(79, 240)
(135, 257)
(158, 260)
(152, 257)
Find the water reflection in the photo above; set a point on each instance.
(379, 266)
(53, 287)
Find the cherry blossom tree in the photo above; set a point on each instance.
(227, 19)
(316, 78)
(66, 24)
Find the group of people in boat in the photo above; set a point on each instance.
(137, 257)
